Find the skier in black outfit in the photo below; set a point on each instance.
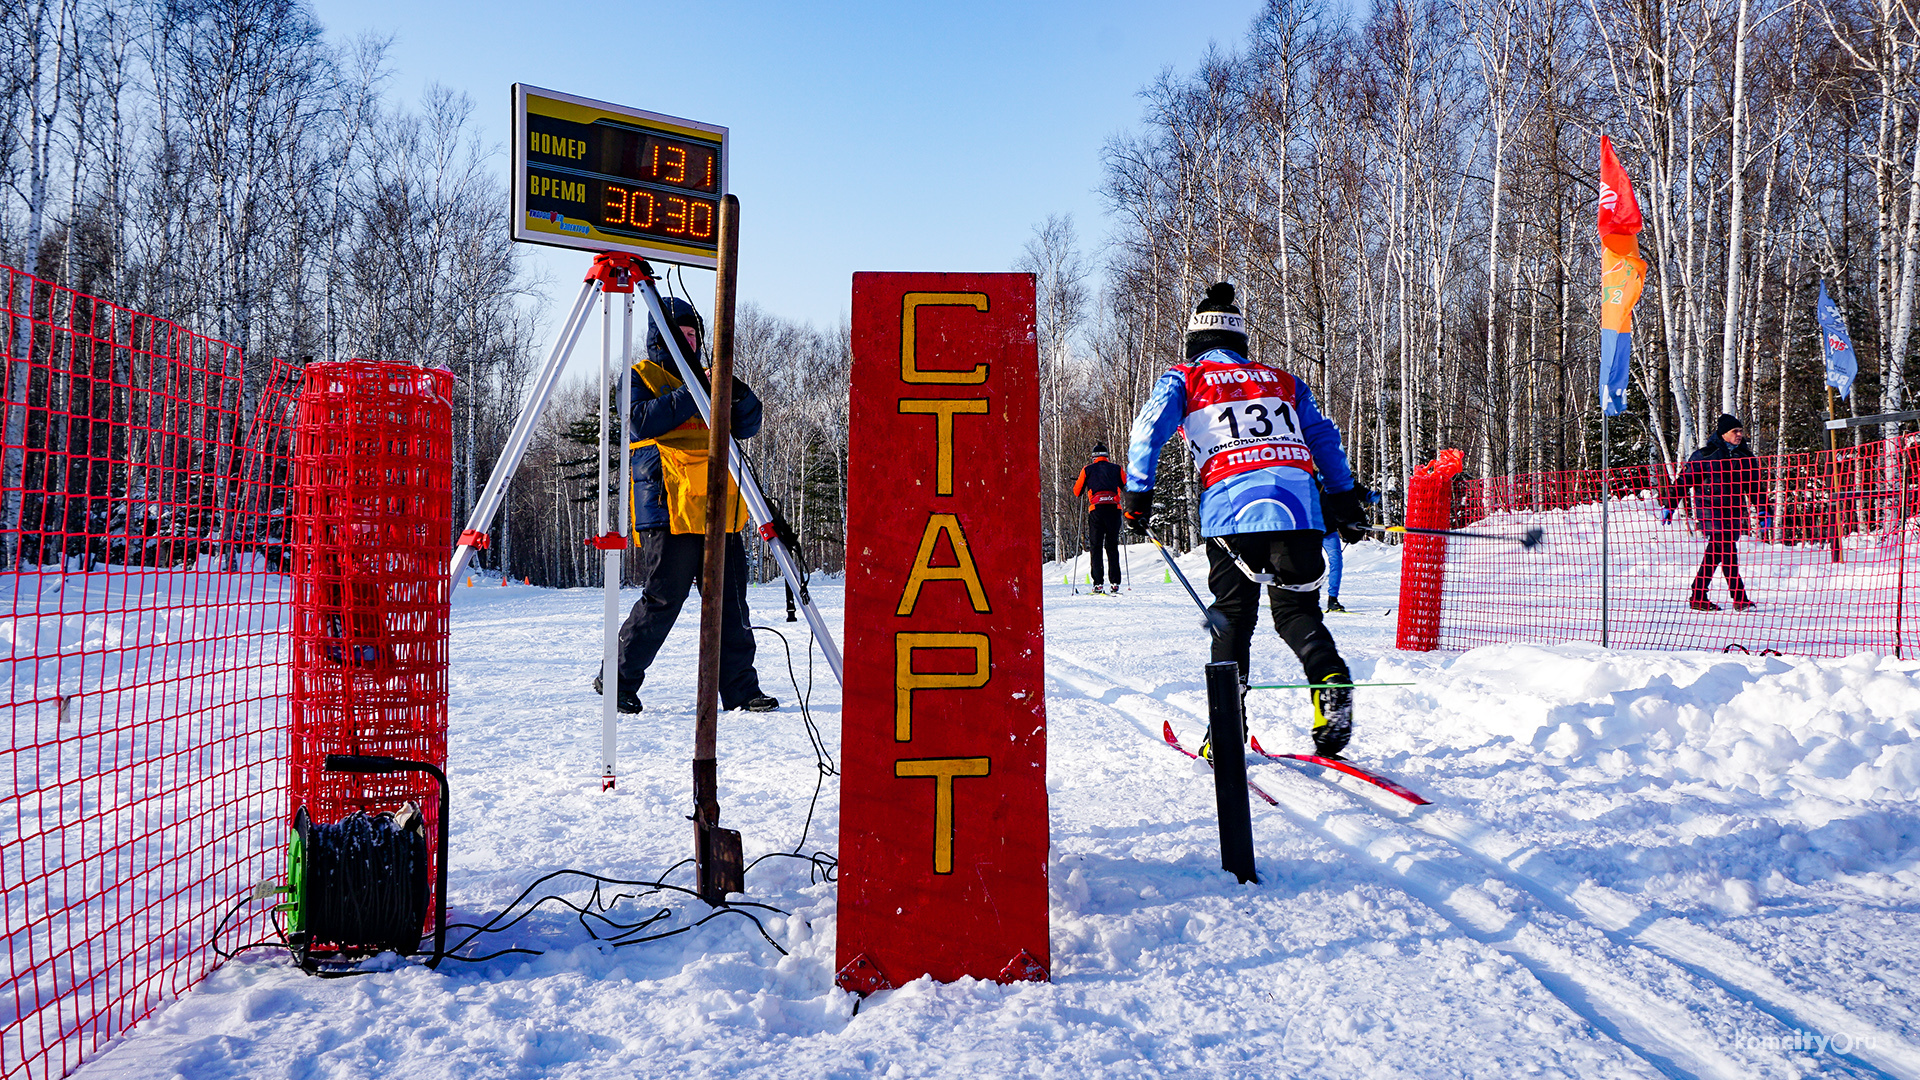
(1723, 476)
(668, 466)
(1100, 482)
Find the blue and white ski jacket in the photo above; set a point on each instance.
(1257, 439)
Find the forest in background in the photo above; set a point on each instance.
(1403, 193)
(1405, 196)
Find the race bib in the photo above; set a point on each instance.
(1242, 417)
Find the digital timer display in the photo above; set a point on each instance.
(603, 177)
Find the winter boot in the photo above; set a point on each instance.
(1703, 605)
(627, 700)
(759, 703)
(1332, 716)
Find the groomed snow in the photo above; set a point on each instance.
(1636, 864)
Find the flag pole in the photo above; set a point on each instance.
(1606, 563)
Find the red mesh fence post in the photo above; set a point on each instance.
(1423, 559)
(372, 525)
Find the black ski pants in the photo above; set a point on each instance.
(1293, 557)
(1103, 537)
(1723, 553)
(669, 567)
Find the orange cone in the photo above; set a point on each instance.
(469, 581)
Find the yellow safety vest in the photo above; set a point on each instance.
(683, 464)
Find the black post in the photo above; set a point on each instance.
(1228, 735)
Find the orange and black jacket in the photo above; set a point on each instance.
(1100, 482)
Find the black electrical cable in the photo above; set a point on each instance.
(823, 762)
(366, 882)
(596, 908)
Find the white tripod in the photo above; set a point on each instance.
(615, 273)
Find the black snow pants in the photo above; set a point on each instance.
(1723, 553)
(1294, 557)
(1103, 537)
(669, 567)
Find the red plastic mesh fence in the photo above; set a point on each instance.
(372, 521)
(1823, 551)
(145, 653)
(1423, 561)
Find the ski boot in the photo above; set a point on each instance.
(627, 700)
(1333, 604)
(1332, 716)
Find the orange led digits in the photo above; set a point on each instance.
(676, 217)
(616, 207)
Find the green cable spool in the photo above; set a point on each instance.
(295, 907)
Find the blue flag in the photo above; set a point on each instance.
(1841, 364)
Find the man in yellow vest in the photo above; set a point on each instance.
(668, 464)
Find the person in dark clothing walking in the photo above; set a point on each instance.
(1100, 482)
(668, 465)
(1257, 439)
(1723, 476)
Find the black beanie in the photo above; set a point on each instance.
(1099, 449)
(1726, 423)
(1216, 324)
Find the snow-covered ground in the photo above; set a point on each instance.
(1636, 864)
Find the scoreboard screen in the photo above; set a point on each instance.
(601, 177)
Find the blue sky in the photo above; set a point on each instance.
(864, 136)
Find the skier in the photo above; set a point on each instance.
(1257, 439)
(1100, 482)
(1332, 545)
(1722, 475)
(668, 464)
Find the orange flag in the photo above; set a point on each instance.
(1622, 275)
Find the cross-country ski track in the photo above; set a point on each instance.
(1620, 994)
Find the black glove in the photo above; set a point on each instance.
(1346, 515)
(740, 389)
(1139, 509)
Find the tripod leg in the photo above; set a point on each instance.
(609, 559)
(522, 434)
(757, 507)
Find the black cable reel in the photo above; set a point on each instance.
(358, 887)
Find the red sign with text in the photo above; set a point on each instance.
(943, 773)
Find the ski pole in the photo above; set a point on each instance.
(1321, 685)
(1216, 623)
(1528, 540)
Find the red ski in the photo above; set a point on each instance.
(1347, 767)
(1166, 731)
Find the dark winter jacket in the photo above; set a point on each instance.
(663, 419)
(1723, 478)
(1100, 482)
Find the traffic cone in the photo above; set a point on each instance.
(503, 581)
(527, 581)
(1166, 577)
(469, 581)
